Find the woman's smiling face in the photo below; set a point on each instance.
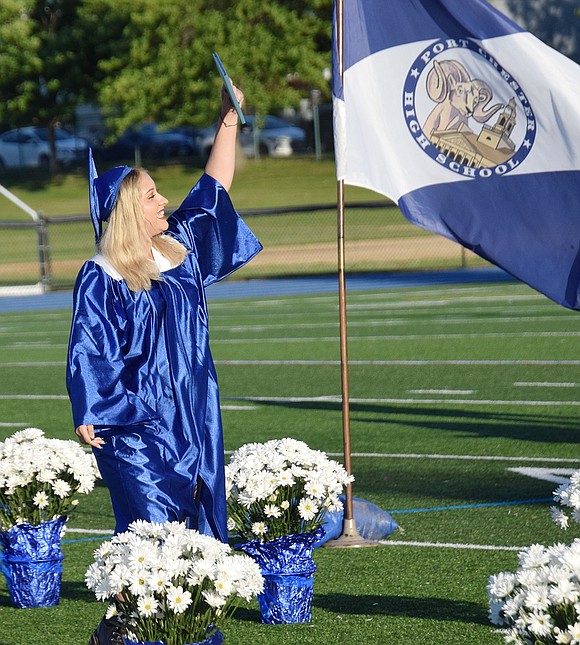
(153, 206)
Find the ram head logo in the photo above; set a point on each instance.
(459, 98)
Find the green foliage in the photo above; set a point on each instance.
(147, 60)
(20, 59)
(278, 50)
(274, 51)
(39, 51)
(99, 32)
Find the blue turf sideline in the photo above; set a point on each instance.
(272, 287)
(541, 500)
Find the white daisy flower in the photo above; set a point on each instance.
(574, 631)
(501, 585)
(259, 528)
(213, 598)
(563, 637)
(41, 499)
(178, 599)
(147, 605)
(61, 488)
(541, 624)
(271, 510)
(307, 508)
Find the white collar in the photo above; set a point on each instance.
(163, 264)
(107, 267)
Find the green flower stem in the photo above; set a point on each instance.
(289, 521)
(18, 505)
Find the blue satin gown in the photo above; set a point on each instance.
(140, 370)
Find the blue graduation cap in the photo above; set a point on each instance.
(103, 191)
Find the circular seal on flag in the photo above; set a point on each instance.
(466, 111)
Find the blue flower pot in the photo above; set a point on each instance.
(31, 561)
(214, 638)
(288, 570)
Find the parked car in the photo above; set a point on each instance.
(275, 138)
(29, 148)
(152, 142)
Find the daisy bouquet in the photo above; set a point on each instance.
(40, 478)
(169, 583)
(539, 604)
(281, 487)
(568, 496)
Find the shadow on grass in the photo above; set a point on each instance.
(246, 615)
(5, 601)
(76, 590)
(528, 427)
(369, 605)
(428, 608)
(73, 590)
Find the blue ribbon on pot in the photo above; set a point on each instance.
(32, 563)
(288, 570)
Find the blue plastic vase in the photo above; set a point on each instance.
(213, 638)
(288, 569)
(31, 561)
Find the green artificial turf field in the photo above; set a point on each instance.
(464, 413)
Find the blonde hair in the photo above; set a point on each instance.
(125, 241)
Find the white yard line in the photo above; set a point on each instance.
(441, 391)
(337, 399)
(410, 455)
(34, 397)
(35, 346)
(337, 362)
(542, 384)
(469, 402)
(333, 399)
(397, 362)
(381, 322)
(409, 543)
(330, 398)
(441, 302)
(555, 475)
(89, 531)
(63, 397)
(450, 545)
(4, 331)
(395, 337)
(34, 364)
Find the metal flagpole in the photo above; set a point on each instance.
(350, 536)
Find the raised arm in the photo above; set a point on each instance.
(222, 159)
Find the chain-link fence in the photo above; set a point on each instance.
(297, 241)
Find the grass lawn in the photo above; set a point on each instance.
(261, 183)
(302, 242)
(457, 393)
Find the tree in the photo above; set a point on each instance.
(279, 50)
(275, 51)
(149, 60)
(20, 61)
(39, 56)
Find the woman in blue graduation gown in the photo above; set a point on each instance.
(140, 375)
